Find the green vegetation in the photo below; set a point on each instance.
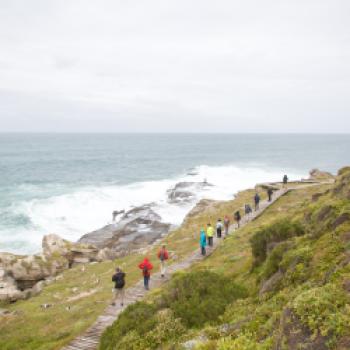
(191, 300)
(293, 261)
(280, 282)
(79, 296)
(277, 232)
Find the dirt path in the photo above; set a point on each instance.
(90, 339)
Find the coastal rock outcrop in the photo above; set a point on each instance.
(24, 276)
(316, 174)
(185, 191)
(137, 227)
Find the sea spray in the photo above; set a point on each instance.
(88, 208)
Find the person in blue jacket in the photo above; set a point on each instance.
(203, 242)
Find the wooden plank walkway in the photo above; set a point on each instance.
(89, 340)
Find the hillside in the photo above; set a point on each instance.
(281, 282)
(73, 300)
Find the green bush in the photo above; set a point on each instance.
(246, 341)
(278, 232)
(139, 317)
(273, 260)
(190, 300)
(325, 310)
(200, 297)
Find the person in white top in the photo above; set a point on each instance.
(219, 227)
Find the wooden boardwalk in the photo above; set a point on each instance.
(90, 339)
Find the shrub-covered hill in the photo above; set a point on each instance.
(281, 282)
(79, 295)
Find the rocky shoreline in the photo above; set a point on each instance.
(22, 276)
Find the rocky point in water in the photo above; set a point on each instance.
(138, 227)
(185, 191)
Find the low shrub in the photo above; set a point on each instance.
(274, 259)
(278, 232)
(325, 310)
(200, 297)
(139, 317)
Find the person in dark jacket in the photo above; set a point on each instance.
(219, 227)
(146, 268)
(247, 209)
(256, 201)
(237, 217)
(285, 180)
(270, 193)
(119, 282)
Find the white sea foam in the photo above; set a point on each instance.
(73, 214)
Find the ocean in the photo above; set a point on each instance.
(69, 184)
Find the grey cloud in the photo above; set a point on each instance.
(179, 65)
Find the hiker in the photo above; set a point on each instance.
(247, 209)
(256, 201)
(119, 282)
(285, 180)
(218, 228)
(203, 242)
(226, 224)
(146, 268)
(237, 217)
(163, 256)
(114, 215)
(270, 193)
(210, 234)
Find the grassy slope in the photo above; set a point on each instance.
(309, 308)
(32, 327)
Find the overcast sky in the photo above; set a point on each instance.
(175, 66)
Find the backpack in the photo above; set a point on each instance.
(118, 278)
(145, 270)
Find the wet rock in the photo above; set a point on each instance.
(138, 227)
(186, 191)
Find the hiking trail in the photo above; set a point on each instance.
(89, 340)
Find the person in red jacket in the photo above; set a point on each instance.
(163, 255)
(146, 268)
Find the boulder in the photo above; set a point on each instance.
(316, 174)
(54, 244)
(186, 191)
(8, 288)
(106, 254)
(25, 276)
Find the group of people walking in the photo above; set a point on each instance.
(145, 266)
(206, 238)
